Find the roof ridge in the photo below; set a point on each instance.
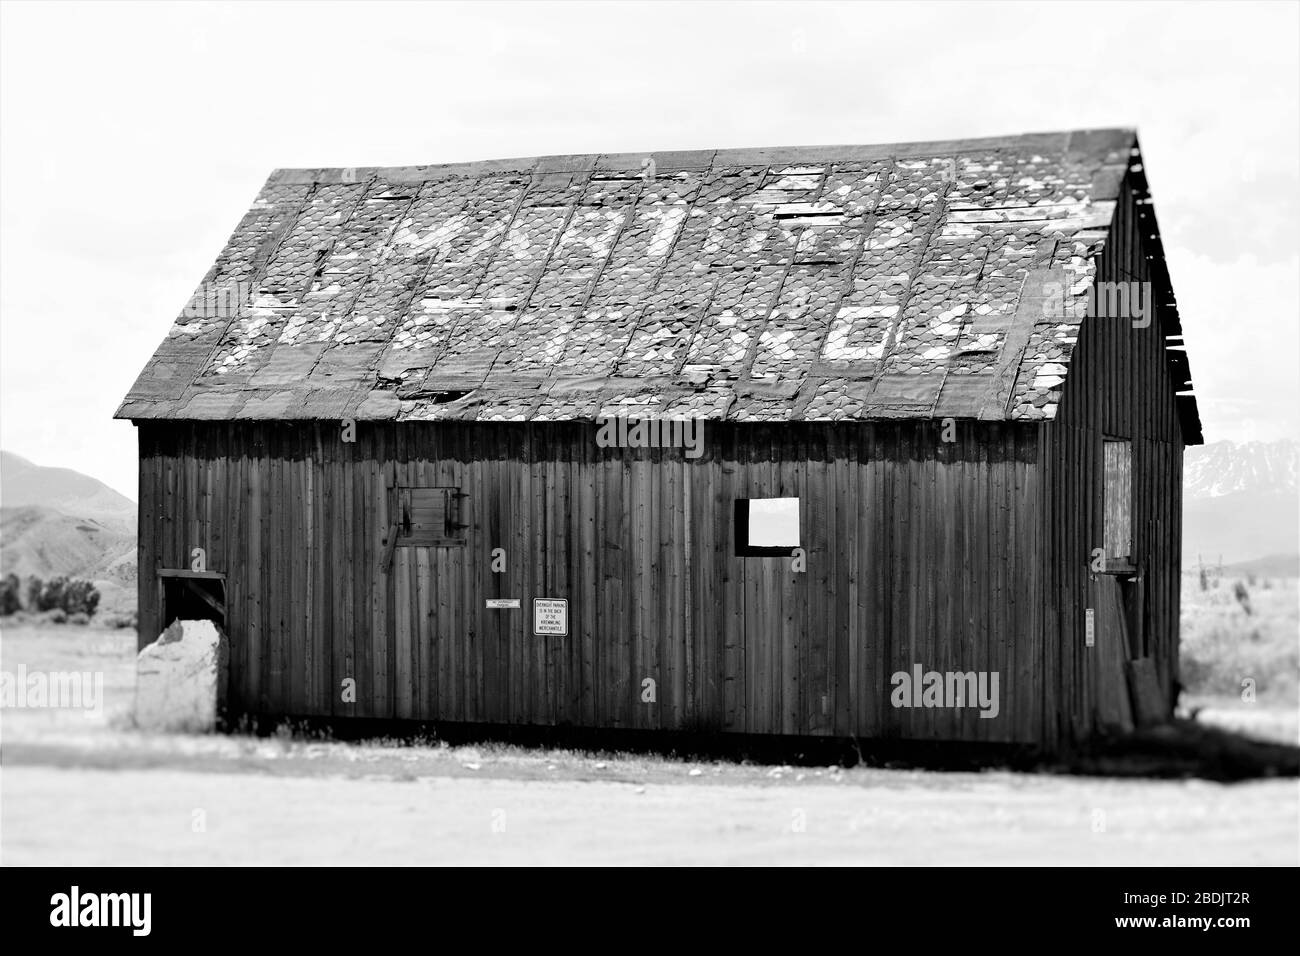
(1061, 140)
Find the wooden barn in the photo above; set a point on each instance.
(880, 442)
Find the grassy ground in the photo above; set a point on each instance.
(1239, 638)
(1240, 654)
(90, 790)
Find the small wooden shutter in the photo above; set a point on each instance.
(1118, 500)
(429, 517)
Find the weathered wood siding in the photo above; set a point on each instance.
(1119, 386)
(918, 552)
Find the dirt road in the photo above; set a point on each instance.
(75, 816)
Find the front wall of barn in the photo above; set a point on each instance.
(919, 552)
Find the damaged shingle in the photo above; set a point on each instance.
(832, 283)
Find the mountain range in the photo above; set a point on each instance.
(1240, 504)
(1224, 468)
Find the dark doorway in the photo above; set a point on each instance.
(1132, 596)
(194, 599)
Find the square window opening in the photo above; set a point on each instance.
(767, 527)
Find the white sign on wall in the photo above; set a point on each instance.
(1090, 629)
(503, 602)
(551, 616)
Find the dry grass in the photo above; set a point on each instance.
(1241, 629)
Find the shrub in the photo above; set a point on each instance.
(80, 597)
(10, 595)
(1242, 595)
(52, 594)
(61, 594)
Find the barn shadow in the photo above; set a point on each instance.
(1177, 749)
(1186, 748)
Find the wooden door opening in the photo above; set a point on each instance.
(1132, 601)
(189, 598)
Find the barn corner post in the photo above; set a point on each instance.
(146, 580)
(923, 411)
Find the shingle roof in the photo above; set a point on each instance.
(820, 283)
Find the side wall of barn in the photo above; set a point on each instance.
(1119, 386)
(918, 552)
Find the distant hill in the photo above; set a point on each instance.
(57, 521)
(1240, 504)
(46, 543)
(1270, 566)
(24, 483)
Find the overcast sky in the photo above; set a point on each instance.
(134, 137)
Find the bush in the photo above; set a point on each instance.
(80, 597)
(61, 594)
(10, 595)
(1242, 595)
(79, 618)
(121, 619)
(51, 596)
